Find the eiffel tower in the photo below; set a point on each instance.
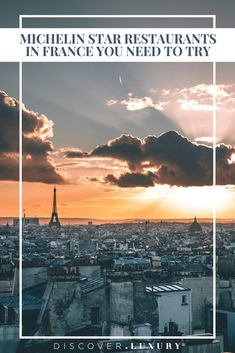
(54, 222)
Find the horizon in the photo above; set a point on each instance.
(85, 220)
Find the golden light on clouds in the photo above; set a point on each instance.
(185, 106)
(133, 103)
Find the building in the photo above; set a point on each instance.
(9, 338)
(73, 307)
(225, 313)
(174, 303)
(225, 323)
(54, 221)
(9, 311)
(26, 221)
(131, 264)
(61, 269)
(195, 227)
(202, 294)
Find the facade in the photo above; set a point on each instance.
(73, 307)
(225, 313)
(225, 323)
(202, 294)
(174, 304)
(9, 338)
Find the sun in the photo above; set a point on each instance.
(189, 200)
(201, 198)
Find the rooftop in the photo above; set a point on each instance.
(90, 284)
(167, 288)
(131, 261)
(29, 302)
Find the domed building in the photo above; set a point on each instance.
(195, 226)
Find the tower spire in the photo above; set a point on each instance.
(54, 216)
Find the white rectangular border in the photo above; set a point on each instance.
(213, 336)
(213, 17)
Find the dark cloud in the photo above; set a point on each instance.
(171, 159)
(132, 180)
(126, 148)
(38, 165)
(93, 179)
(73, 153)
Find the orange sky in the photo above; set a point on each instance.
(99, 202)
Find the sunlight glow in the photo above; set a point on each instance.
(194, 198)
(232, 159)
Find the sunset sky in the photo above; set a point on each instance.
(120, 140)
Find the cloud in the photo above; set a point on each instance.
(133, 103)
(195, 98)
(200, 97)
(125, 148)
(193, 104)
(183, 106)
(38, 165)
(112, 102)
(167, 159)
(204, 139)
(131, 180)
(73, 153)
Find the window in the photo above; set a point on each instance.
(95, 315)
(184, 300)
